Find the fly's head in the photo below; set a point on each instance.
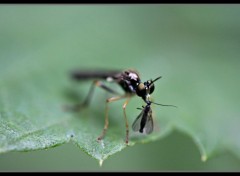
(145, 89)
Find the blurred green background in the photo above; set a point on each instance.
(189, 45)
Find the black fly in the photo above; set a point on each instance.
(129, 80)
(144, 121)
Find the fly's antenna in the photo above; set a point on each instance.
(156, 79)
(163, 104)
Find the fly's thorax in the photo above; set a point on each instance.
(129, 80)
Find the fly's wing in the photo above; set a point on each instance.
(136, 124)
(149, 124)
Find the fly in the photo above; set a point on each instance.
(144, 121)
(129, 80)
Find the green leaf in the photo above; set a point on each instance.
(195, 49)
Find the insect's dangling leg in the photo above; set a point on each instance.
(125, 118)
(86, 102)
(89, 95)
(98, 84)
(106, 114)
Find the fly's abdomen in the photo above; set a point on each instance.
(93, 74)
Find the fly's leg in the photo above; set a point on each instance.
(125, 118)
(106, 114)
(112, 99)
(86, 102)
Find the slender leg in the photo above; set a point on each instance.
(106, 114)
(88, 98)
(86, 102)
(125, 117)
(103, 86)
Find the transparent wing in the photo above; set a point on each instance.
(149, 124)
(136, 124)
